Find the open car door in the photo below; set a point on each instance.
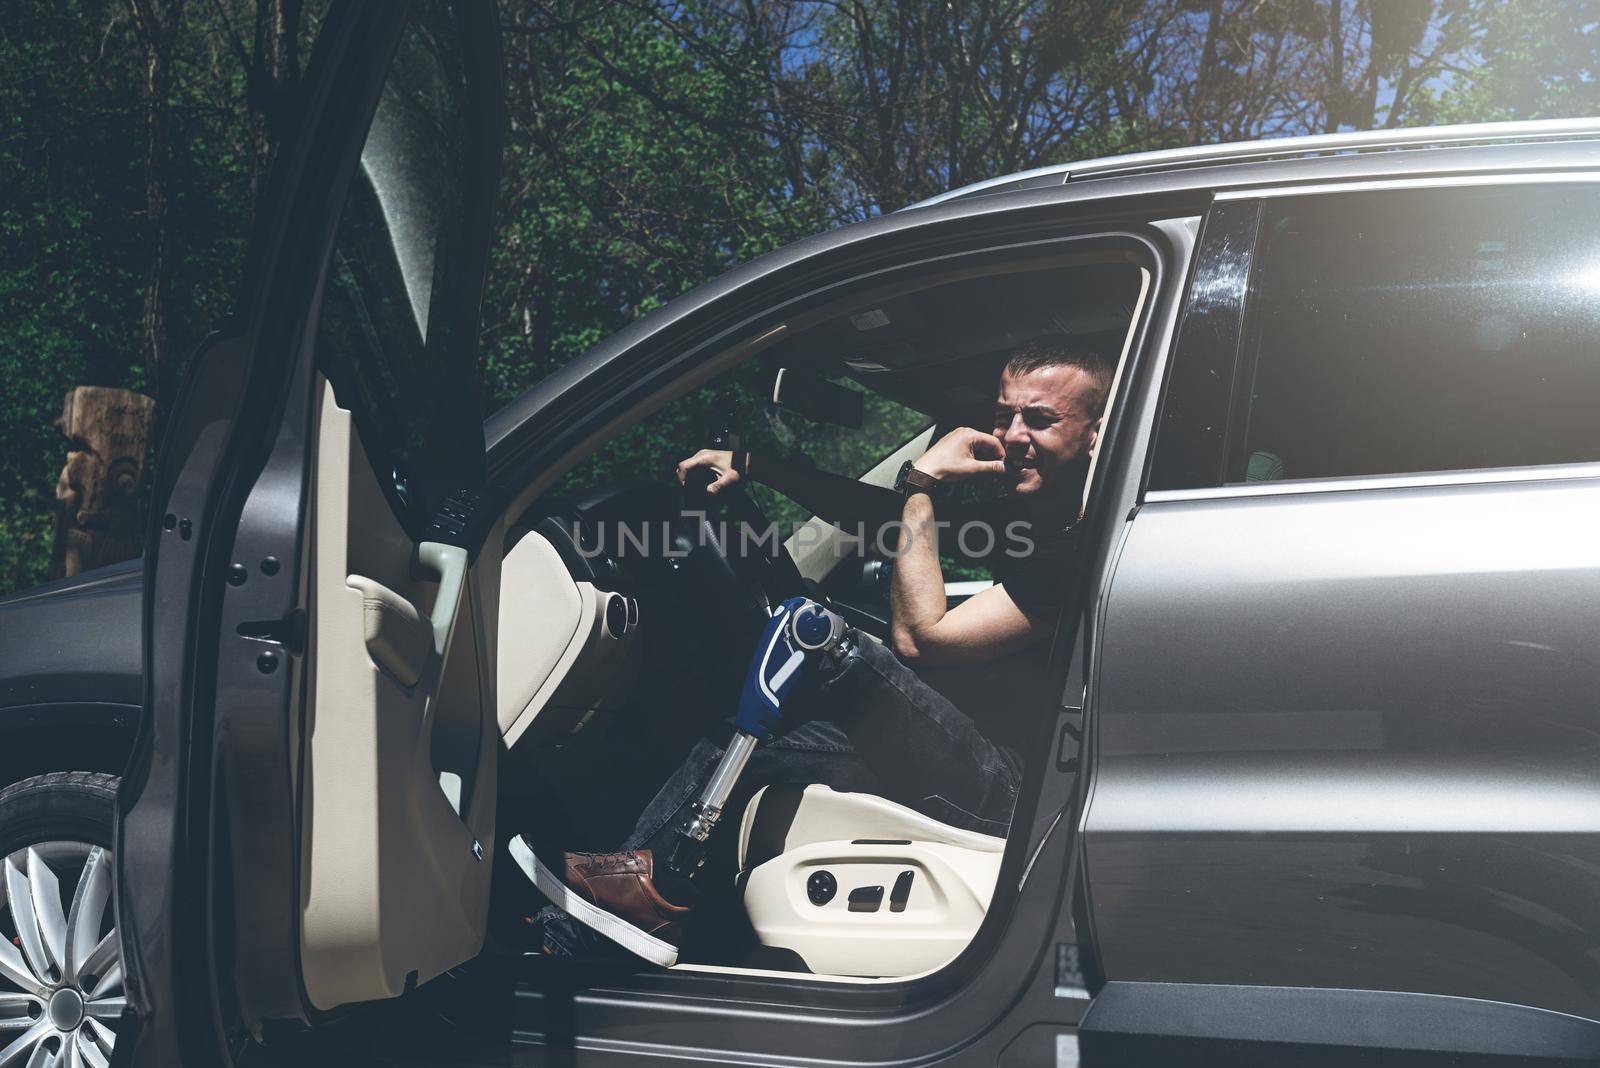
(307, 820)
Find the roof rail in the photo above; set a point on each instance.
(1273, 148)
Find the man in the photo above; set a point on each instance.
(880, 727)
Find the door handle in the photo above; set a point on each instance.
(450, 561)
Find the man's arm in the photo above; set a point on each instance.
(836, 498)
(983, 627)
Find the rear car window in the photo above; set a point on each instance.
(1417, 331)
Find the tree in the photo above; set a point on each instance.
(905, 99)
(633, 170)
(77, 248)
(1531, 60)
(1380, 54)
(158, 23)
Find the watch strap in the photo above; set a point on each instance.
(912, 480)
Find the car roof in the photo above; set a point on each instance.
(1263, 153)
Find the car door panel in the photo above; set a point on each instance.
(299, 826)
(1343, 726)
(388, 897)
(1344, 741)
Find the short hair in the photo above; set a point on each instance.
(1043, 352)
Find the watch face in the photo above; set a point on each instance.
(900, 479)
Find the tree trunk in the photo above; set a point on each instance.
(158, 29)
(98, 518)
(1334, 93)
(1205, 89)
(273, 79)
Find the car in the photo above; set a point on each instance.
(1314, 778)
(70, 695)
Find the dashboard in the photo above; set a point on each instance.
(569, 630)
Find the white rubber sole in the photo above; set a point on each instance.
(591, 916)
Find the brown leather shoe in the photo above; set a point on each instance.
(622, 884)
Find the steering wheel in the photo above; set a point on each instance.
(755, 574)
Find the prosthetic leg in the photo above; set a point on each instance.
(801, 632)
(801, 635)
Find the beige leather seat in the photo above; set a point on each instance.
(855, 884)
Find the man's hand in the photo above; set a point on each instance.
(962, 454)
(719, 461)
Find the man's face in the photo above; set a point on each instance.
(1044, 419)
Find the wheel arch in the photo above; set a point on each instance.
(65, 736)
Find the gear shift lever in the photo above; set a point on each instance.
(800, 630)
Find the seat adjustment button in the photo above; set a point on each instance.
(821, 887)
(902, 891)
(866, 898)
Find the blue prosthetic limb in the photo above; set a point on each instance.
(800, 633)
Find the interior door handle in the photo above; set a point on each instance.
(450, 561)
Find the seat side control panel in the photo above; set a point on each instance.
(821, 887)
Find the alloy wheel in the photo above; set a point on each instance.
(61, 988)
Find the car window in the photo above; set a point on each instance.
(395, 359)
(1419, 330)
(904, 361)
(739, 404)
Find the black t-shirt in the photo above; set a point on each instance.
(1034, 564)
(1031, 560)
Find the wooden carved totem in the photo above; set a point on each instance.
(98, 518)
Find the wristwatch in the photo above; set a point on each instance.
(910, 481)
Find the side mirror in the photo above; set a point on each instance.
(818, 399)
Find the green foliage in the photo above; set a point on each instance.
(68, 295)
(1531, 60)
(74, 245)
(632, 173)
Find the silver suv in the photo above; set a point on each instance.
(1318, 781)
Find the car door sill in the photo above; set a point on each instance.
(1126, 1014)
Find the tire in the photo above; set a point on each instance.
(77, 806)
(60, 964)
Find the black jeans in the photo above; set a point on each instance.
(878, 729)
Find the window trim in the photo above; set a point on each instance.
(1346, 483)
(1378, 185)
(1482, 476)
